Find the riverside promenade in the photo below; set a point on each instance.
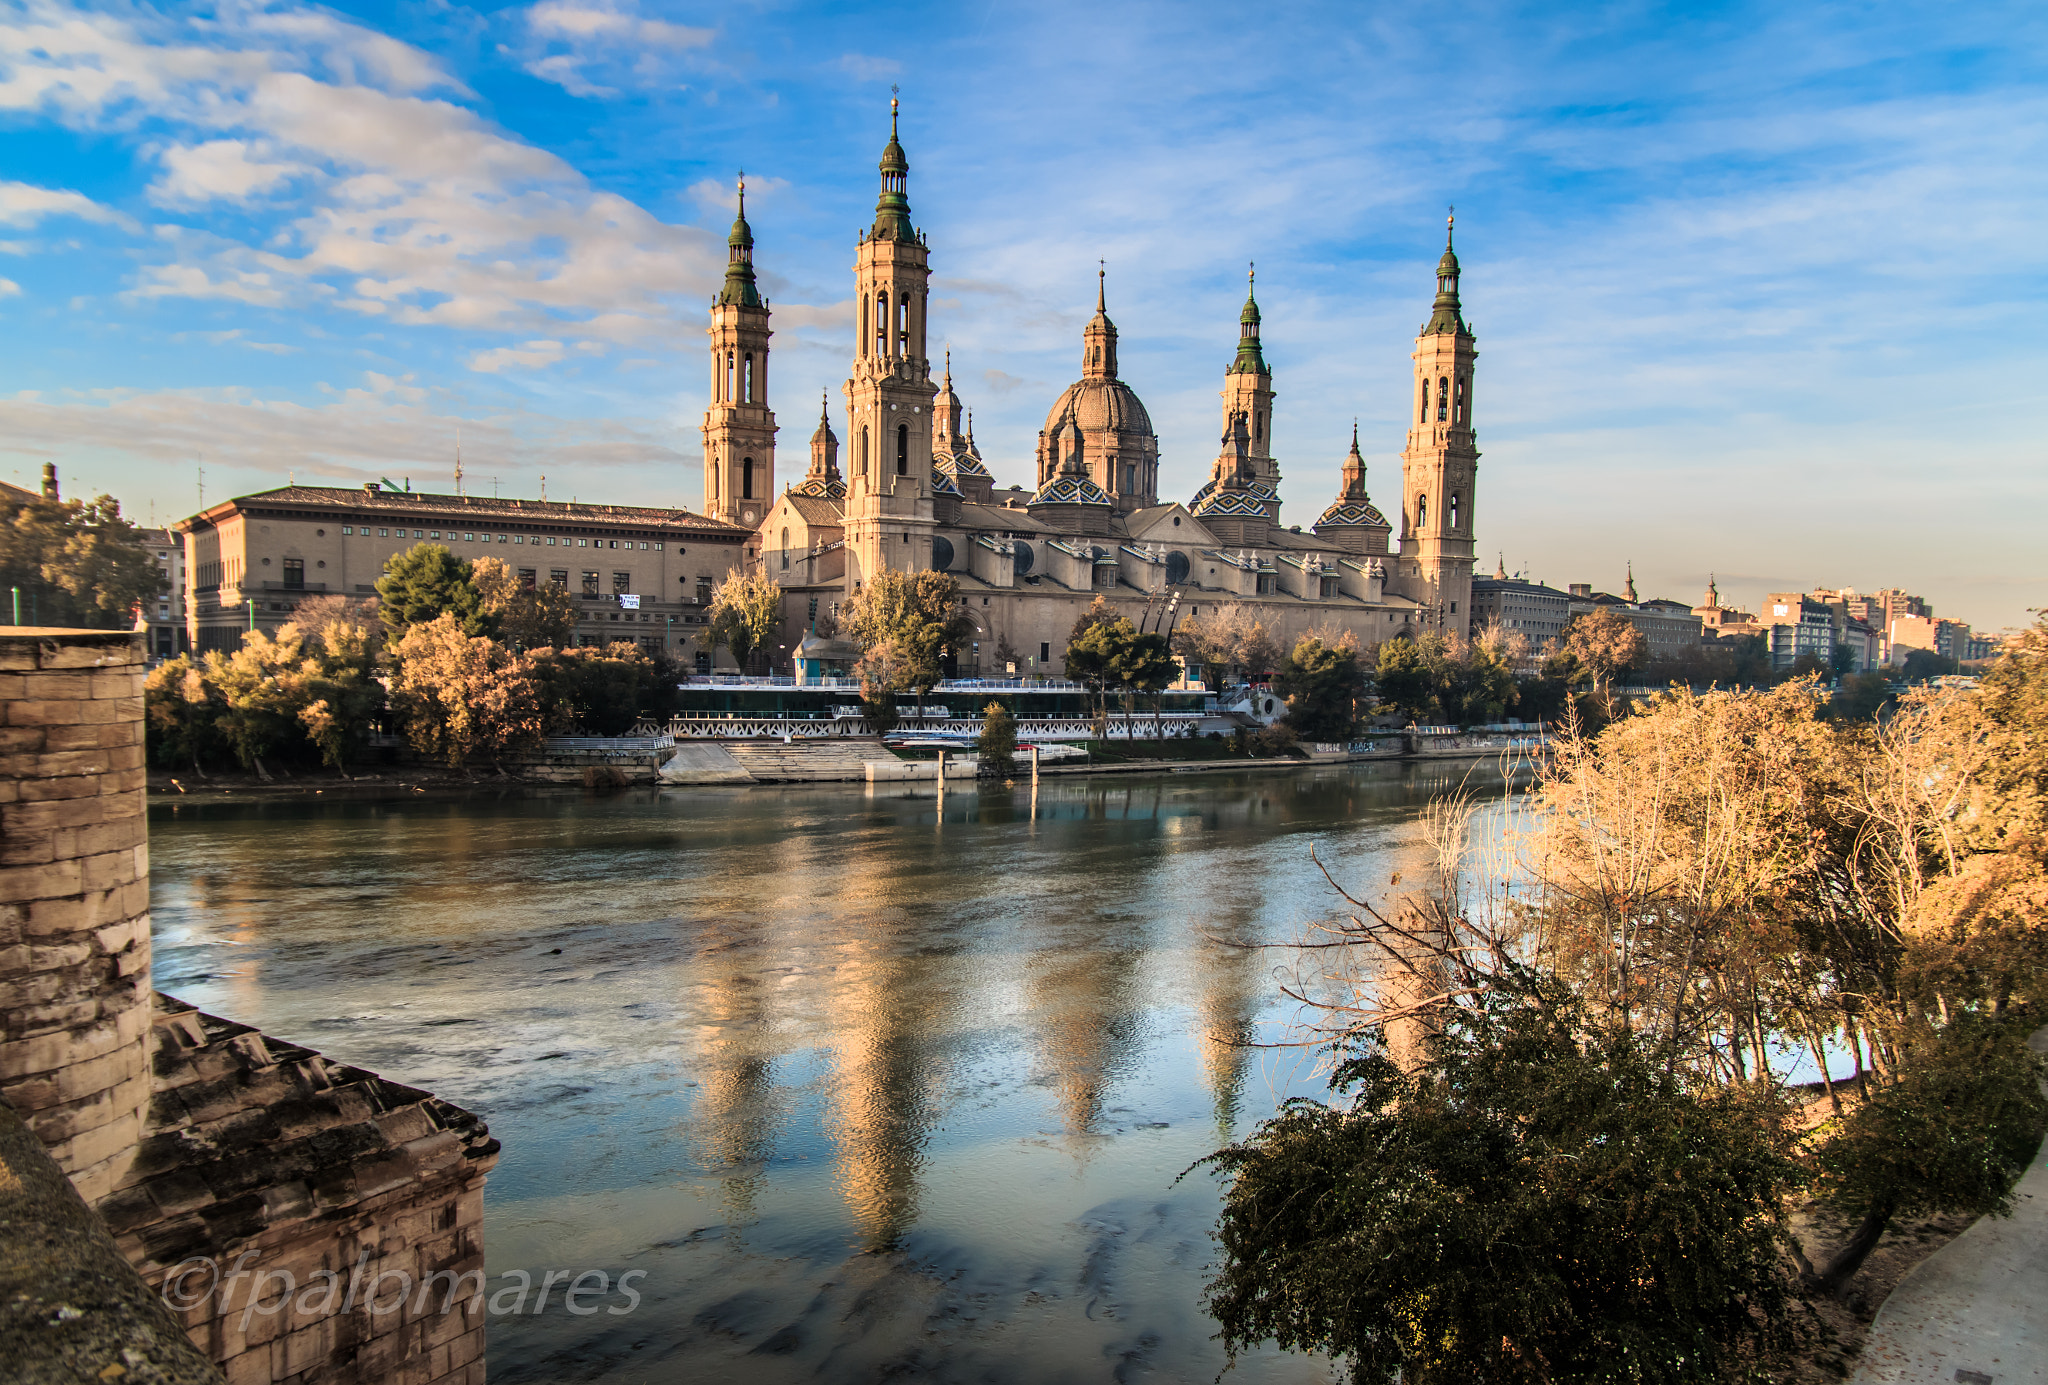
(1976, 1311)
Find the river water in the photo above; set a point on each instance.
(869, 1085)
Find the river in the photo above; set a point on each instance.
(868, 1085)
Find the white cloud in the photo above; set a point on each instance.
(863, 68)
(416, 209)
(591, 50)
(219, 169)
(8, 288)
(24, 204)
(533, 355)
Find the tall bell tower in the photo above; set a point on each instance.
(1248, 394)
(739, 427)
(1439, 467)
(889, 395)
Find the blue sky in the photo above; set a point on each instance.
(1757, 286)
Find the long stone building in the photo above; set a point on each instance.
(914, 492)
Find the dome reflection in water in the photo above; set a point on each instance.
(868, 1085)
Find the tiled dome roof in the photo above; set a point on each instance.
(1353, 512)
(1072, 490)
(828, 490)
(942, 484)
(1231, 504)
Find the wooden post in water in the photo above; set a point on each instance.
(1034, 766)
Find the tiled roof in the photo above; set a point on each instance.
(1353, 512)
(510, 514)
(1072, 490)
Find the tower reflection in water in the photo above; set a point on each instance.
(796, 1052)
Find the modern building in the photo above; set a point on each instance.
(639, 573)
(1948, 638)
(1520, 606)
(1794, 624)
(917, 494)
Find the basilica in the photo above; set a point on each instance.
(914, 491)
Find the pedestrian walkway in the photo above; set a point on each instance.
(1976, 1311)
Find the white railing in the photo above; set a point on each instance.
(739, 726)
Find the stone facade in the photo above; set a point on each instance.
(206, 1146)
(277, 548)
(74, 897)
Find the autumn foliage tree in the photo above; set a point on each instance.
(1606, 644)
(77, 563)
(917, 615)
(464, 697)
(746, 612)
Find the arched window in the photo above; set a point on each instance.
(903, 449)
(1423, 417)
(863, 337)
(1458, 416)
(1258, 427)
(882, 324)
(903, 325)
(747, 381)
(729, 368)
(860, 455)
(1443, 399)
(1421, 512)
(1454, 512)
(747, 479)
(714, 481)
(785, 546)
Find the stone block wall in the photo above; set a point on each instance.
(74, 896)
(309, 1221)
(226, 1163)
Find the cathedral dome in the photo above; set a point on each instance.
(1095, 404)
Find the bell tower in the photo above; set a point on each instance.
(1248, 394)
(1440, 465)
(739, 427)
(889, 518)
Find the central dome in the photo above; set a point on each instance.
(1098, 426)
(1095, 404)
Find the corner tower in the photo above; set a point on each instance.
(1248, 394)
(1439, 467)
(739, 427)
(889, 394)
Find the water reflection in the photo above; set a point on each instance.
(870, 1083)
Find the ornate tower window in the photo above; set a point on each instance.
(1423, 415)
(1454, 511)
(882, 324)
(1421, 512)
(1458, 414)
(903, 449)
(1443, 399)
(903, 325)
(747, 479)
(860, 453)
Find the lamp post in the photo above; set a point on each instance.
(252, 615)
(17, 605)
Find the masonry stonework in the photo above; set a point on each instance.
(225, 1162)
(74, 897)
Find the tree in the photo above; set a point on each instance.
(536, 617)
(341, 692)
(1543, 1199)
(1863, 697)
(1210, 642)
(78, 563)
(1606, 644)
(262, 687)
(1481, 685)
(1144, 664)
(182, 714)
(918, 615)
(462, 696)
(423, 584)
(746, 613)
(603, 690)
(1403, 677)
(1322, 686)
(1951, 1132)
(880, 673)
(998, 741)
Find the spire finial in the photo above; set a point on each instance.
(1251, 273)
(1450, 224)
(894, 106)
(824, 405)
(1101, 282)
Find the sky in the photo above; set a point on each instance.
(1757, 286)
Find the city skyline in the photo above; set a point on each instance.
(1715, 263)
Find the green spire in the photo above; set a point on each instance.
(1446, 316)
(1251, 360)
(739, 259)
(892, 208)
